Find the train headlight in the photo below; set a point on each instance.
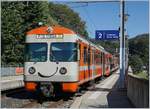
(31, 70)
(63, 71)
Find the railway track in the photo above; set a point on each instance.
(49, 103)
(20, 98)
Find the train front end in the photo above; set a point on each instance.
(51, 60)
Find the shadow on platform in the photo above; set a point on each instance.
(118, 98)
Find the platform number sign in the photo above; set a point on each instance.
(100, 35)
(106, 34)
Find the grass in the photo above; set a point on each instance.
(143, 75)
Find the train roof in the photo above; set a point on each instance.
(50, 30)
(91, 43)
(61, 30)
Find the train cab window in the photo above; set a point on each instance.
(36, 52)
(63, 51)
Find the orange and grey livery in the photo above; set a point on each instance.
(59, 59)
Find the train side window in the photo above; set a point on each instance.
(85, 55)
(98, 58)
(95, 57)
(107, 61)
(101, 58)
(79, 47)
(89, 56)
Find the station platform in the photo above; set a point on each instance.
(11, 82)
(104, 95)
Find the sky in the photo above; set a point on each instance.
(105, 16)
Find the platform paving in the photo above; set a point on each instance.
(104, 95)
(11, 82)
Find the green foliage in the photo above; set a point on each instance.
(139, 46)
(37, 11)
(68, 18)
(143, 75)
(110, 46)
(11, 29)
(19, 17)
(136, 63)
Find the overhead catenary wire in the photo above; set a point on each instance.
(79, 6)
(85, 14)
(88, 1)
(90, 20)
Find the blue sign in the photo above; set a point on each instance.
(107, 34)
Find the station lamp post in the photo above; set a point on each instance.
(123, 47)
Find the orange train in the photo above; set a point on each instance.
(56, 58)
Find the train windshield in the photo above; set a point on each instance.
(36, 52)
(64, 52)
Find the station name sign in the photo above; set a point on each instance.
(45, 36)
(107, 35)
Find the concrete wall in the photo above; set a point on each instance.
(138, 91)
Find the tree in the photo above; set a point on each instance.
(139, 46)
(11, 29)
(20, 17)
(136, 63)
(109, 46)
(68, 18)
(35, 12)
(17, 19)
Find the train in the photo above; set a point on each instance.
(59, 59)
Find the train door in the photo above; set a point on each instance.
(93, 68)
(81, 72)
(102, 62)
(111, 64)
(94, 63)
(108, 65)
(85, 57)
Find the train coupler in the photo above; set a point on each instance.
(47, 89)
